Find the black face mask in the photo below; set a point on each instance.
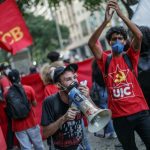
(72, 85)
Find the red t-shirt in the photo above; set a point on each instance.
(50, 89)
(30, 121)
(125, 96)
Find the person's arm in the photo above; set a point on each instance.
(53, 127)
(95, 48)
(137, 34)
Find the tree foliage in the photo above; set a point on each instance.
(44, 35)
(93, 5)
(3, 56)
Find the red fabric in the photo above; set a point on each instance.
(3, 118)
(50, 89)
(30, 121)
(14, 35)
(2, 140)
(4, 83)
(125, 94)
(85, 71)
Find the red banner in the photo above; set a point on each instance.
(14, 35)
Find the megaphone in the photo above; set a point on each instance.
(97, 118)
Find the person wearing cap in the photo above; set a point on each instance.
(59, 119)
(27, 130)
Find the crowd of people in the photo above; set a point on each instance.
(118, 90)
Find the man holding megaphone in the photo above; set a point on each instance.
(60, 119)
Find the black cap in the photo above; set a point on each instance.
(60, 70)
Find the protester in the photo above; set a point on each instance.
(130, 111)
(59, 120)
(50, 87)
(27, 129)
(5, 85)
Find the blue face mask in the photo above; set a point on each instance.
(117, 47)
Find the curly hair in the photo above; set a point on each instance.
(119, 30)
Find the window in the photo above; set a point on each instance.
(84, 28)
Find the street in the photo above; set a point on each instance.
(107, 144)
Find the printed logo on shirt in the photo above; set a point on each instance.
(121, 88)
(70, 133)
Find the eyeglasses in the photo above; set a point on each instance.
(117, 38)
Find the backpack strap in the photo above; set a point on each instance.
(129, 63)
(108, 59)
(21, 90)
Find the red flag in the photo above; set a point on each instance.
(14, 35)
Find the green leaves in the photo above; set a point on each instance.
(93, 5)
(44, 35)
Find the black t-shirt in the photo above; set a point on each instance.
(70, 134)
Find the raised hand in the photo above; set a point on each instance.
(108, 12)
(113, 4)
